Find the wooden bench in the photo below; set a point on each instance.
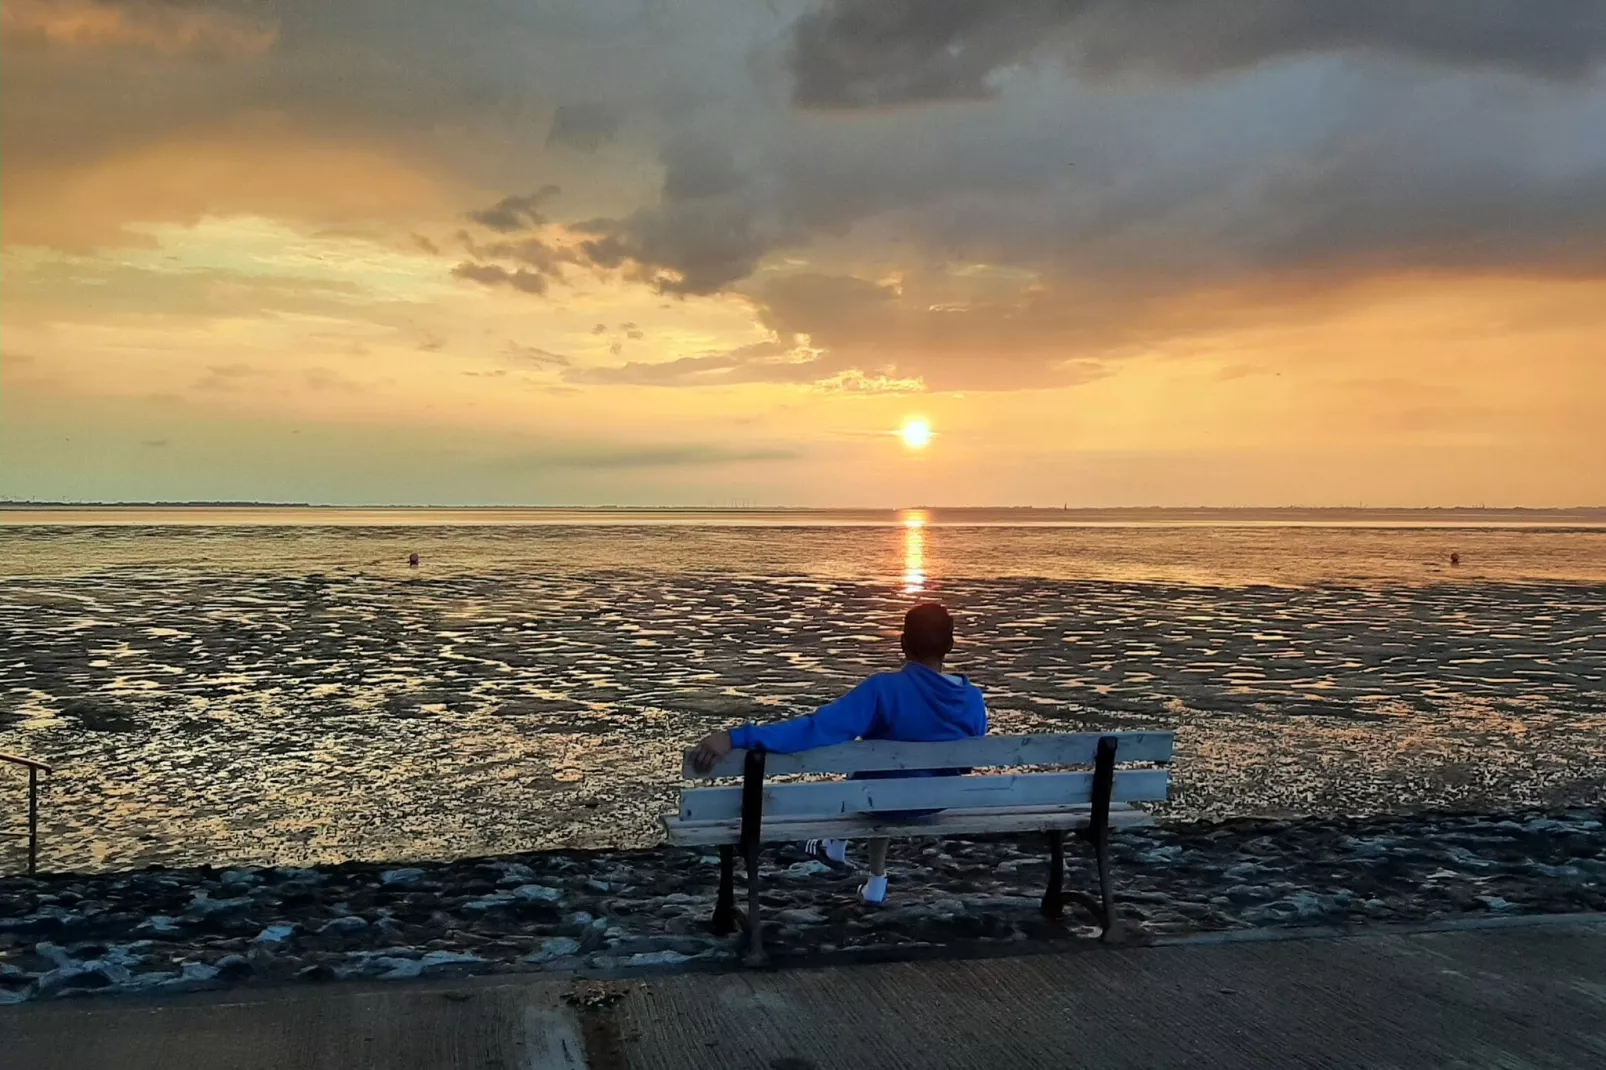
(1089, 800)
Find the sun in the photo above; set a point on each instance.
(916, 433)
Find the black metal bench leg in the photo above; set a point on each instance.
(1099, 831)
(1054, 898)
(752, 839)
(725, 906)
(755, 924)
(1113, 933)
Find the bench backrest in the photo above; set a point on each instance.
(968, 792)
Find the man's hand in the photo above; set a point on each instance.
(710, 750)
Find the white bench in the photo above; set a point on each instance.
(1091, 800)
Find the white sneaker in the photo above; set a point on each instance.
(873, 892)
(828, 850)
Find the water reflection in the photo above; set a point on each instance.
(914, 553)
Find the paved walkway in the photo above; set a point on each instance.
(1530, 996)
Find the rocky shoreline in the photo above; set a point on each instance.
(158, 930)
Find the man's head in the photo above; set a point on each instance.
(928, 633)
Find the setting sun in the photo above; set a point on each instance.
(916, 434)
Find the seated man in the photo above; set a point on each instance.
(920, 704)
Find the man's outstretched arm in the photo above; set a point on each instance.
(849, 717)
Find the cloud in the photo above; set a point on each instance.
(228, 376)
(533, 253)
(583, 127)
(874, 53)
(914, 334)
(246, 169)
(154, 25)
(760, 362)
(1124, 176)
(771, 361)
(528, 282)
(1069, 222)
(327, 380)
(610, 457)
(707, 231)
(513, 212)
(540, 358)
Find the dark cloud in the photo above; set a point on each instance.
(872, 53)
(710, 228)
(534, 253)
(513, 213)
(694, 247)
(583, 127)
(526, 262)
(529, 282)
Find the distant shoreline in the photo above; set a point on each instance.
(20, 515)
(1594, 513)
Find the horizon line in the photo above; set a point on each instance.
(748, 508)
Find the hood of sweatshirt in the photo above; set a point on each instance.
(954, 702)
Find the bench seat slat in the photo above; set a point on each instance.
(834, 798)
(863, 826)
(1069, 748)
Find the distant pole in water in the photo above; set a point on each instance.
(412, 560)
(1455, 559)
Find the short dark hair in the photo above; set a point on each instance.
(928, 631)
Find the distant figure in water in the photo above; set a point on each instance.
(412, 560)
(1455, 559)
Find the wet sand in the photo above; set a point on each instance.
(239, 716)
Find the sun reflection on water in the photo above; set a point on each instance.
(914, 553)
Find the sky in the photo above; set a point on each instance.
(1112, 252)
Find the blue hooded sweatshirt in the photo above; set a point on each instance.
(916, 705)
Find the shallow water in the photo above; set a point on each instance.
(292, 694)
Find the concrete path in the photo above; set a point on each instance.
(1528, 996)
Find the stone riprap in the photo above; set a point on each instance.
(173, 929)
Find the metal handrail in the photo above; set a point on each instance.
(33, 768)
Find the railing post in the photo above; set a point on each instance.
(33, 820)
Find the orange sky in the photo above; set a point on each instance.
(637, 253)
